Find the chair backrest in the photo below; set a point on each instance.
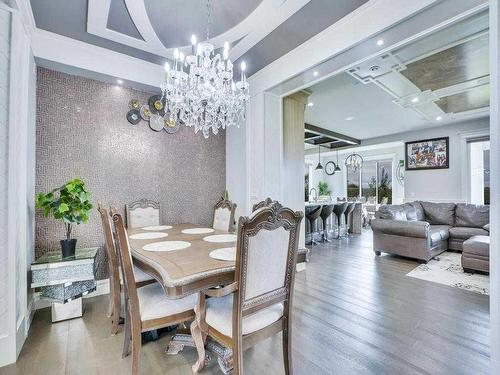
(142, 213)
(127, 266)
(350, 207)
(113, 264)
(266, 256)
(224, 215)
(265, 203)
(339, 208)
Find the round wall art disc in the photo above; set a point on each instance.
(171, 126)
(156, 122)
(145, 112)
(133, 116)
(156, 105)
(134, 104)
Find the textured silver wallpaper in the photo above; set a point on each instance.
(82, 132)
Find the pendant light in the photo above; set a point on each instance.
(337, 165)
(319, 166)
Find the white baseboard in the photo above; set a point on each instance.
(41, 303)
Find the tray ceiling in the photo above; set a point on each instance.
(259, 31)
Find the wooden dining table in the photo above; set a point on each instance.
(186, 271)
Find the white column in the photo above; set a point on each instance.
(16, 180)
(495, 187)
(293, 153)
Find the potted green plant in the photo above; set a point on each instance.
(323, 188)
(69, 203)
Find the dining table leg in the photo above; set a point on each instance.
(199, 332)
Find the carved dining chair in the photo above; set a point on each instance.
(142, 213)
(115, 277)
(224, 215)
(259, 303)
(265, 203)
(146, 308)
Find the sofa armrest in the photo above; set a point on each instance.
(418, 229)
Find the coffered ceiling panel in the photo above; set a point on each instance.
(437, 79)
(476, 98)
(460, 63)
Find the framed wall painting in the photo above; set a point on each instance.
(428, 154)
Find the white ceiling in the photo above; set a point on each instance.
(374, 113)
(372, 110)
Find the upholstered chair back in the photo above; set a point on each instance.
(224, 215)
(142, 213)
(127, 265)
(266, 256)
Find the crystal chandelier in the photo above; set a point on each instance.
(354, 162)
(199, 90)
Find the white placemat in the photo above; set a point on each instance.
(157, 227)
(226, 253)
(166, 246)
(148, 236)
(220, 238)
(198, 230)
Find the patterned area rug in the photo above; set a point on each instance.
(446, 269)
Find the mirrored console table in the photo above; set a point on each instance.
(65, 280)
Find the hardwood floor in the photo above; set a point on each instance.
(354, 313)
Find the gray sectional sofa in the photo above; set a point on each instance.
(422, 230)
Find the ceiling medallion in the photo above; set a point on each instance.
(199, 91)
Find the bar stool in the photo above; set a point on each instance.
(326, 212)
(312, 216)
(338, 210)
(347, 215)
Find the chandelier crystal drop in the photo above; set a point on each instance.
(199, 91)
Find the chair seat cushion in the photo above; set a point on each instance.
(467, 232)
(153, 302)
(220, 316)
(477, 245)
(140, 275)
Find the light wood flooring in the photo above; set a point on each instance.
(354, 313)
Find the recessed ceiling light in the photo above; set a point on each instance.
(315, 73)
(349, 118)
(119, 81)
(380, 42)
(439, 118)
(310, 104)
(414, 100)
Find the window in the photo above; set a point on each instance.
(479, 171)
(375, 179)
(384, 181)
(369, 180)
(352, 183)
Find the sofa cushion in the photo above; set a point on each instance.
(443, 230)
(477, 245)
(439, 213)
(419, 210)
(467, 232)
(391, 212)
(411, 212)
(472, 215)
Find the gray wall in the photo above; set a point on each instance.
(439, 184)
(82, 132)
